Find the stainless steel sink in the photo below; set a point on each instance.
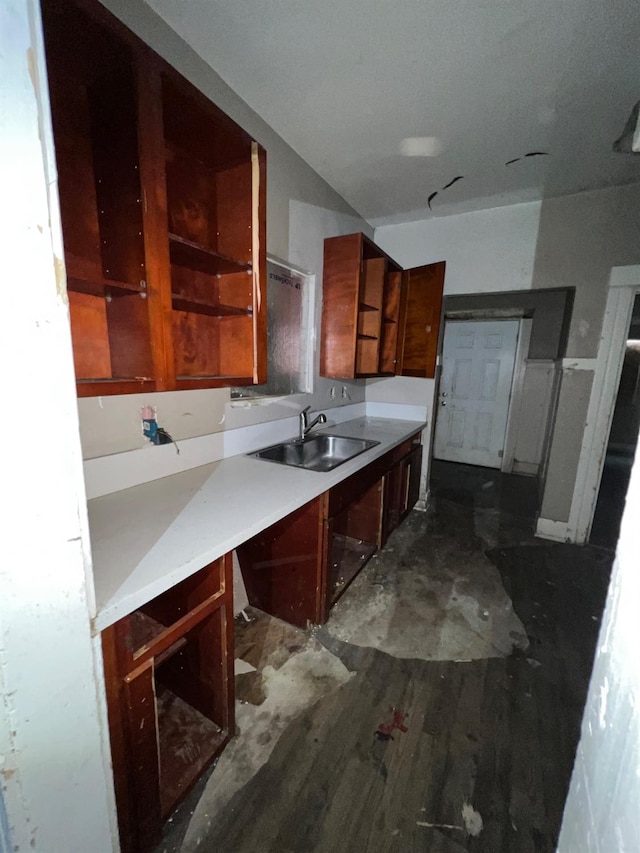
(320, 452)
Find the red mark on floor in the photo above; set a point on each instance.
(385, 730)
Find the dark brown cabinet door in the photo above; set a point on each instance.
(411, 481)
(401, 491)
(420, 320)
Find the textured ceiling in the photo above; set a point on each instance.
(344, 82)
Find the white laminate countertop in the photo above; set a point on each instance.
(147, 538)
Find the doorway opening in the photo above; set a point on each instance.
(478, 358)
(621, 445)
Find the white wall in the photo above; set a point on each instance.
(485, 251)
(603, 806)
(54, 767)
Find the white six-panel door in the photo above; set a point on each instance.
(475, 388)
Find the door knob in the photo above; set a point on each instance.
(444, 393)
(443, 403)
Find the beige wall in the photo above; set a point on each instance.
(566, 242)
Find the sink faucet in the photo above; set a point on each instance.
(307, 427)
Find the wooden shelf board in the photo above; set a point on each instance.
(201, 306)
(188, 742)
(389, 320)
(187, 254)
(112, 380)
(209, 376)
(102, 287)
(96, 387)
(144, 630)
(362, 337)
(363, 306)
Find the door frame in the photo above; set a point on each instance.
(624, 284)
(517, 393)
(517, 379)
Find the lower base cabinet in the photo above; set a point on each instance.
(169, 684)
(401, 490)
(299, 567)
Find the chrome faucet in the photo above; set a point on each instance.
(307, 427)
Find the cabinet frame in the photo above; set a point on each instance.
(183, 639)
(126, 338)
(287, 568)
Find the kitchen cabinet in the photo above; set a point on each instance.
(162, 201)
(377, 319)
(401, 489)
(169, 685)
(297, 568)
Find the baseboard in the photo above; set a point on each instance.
(557, 531)
(529, 468)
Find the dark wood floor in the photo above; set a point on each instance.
(389, 761)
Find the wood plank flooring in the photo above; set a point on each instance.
(489, 739)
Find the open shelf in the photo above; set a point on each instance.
(201, 306)
(104, 287)
(186, 253)
(348, 555)
(141, 381)
(188, 741)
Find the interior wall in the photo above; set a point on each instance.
(301, 211)
(485, 251)
(54, 760)
(567, 242)
(580, 239)
(601, 812)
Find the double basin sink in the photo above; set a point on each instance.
(319, 452)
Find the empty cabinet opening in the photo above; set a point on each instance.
(354, 537)
(92, 90)
(211, 177)
(190, 709)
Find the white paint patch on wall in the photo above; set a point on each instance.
(601, 813)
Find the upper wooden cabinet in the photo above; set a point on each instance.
(377, 320)
(162, 200)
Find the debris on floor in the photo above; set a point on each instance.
(309, 674)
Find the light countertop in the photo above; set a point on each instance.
(147, 538)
